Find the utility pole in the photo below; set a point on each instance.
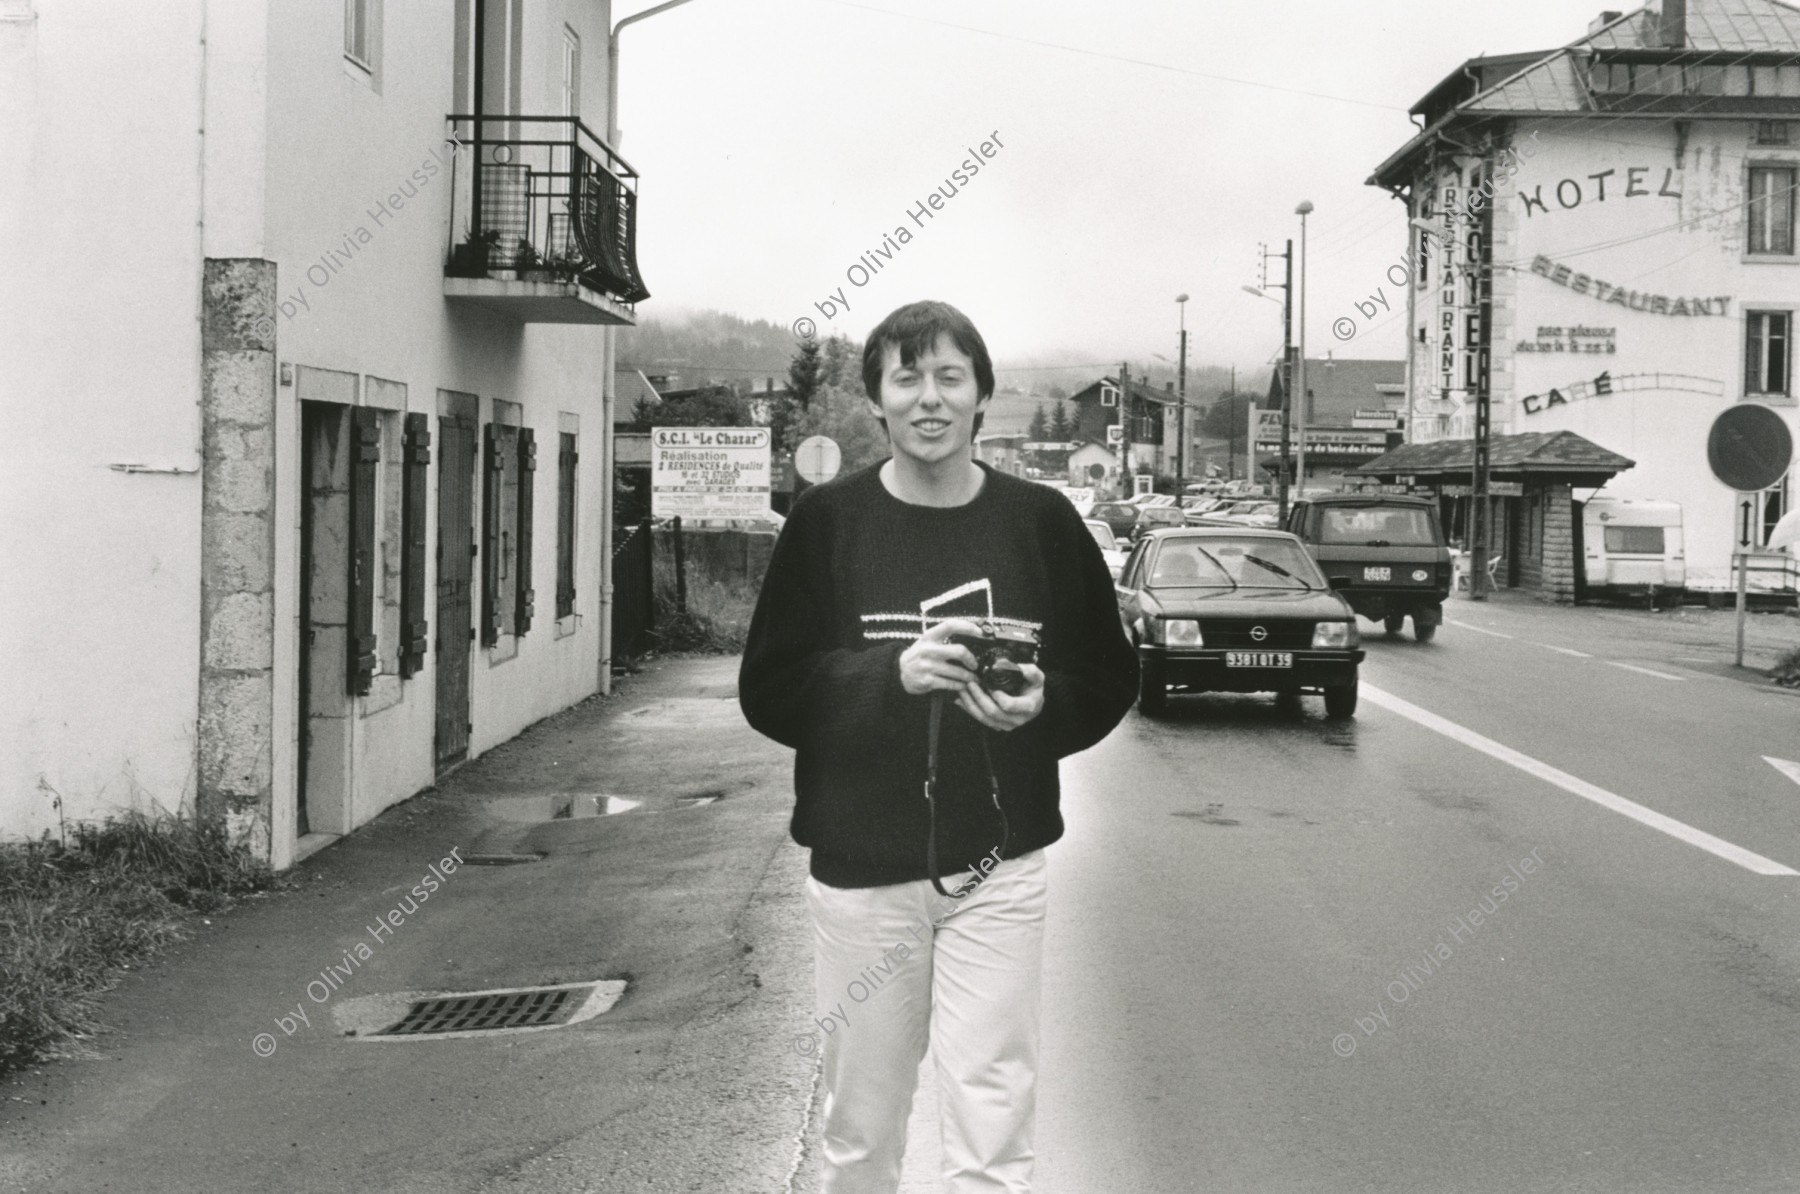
(1286, 373)
(1181, 408)
(1300, 395)
(1127, 474)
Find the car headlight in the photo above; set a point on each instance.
(1181, 632)
(1334, 634)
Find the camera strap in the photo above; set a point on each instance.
(931, 769)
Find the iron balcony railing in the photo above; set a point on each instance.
(541, 198)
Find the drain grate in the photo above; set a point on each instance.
(486, 1013)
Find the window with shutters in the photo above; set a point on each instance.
(500, 533)
(566, 459)
(414, 622)
(389, 538)
(365, 457)
(524, 596)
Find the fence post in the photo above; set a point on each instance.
(680, 567)
(649, 553)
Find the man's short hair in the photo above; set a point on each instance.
(914, 329)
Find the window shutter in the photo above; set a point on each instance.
(366, 435)
(493, 477)
(522, 607)
(414, 628)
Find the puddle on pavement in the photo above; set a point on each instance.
(1212, 814)
(559, 806)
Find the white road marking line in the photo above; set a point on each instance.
(1476, 629)
(1644, 671)
(1564, 650)
(1578, 787)
(1785, 766)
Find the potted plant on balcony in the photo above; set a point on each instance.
(566, 266)
(533, 268)
(470, 258)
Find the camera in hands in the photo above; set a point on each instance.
(999, 651)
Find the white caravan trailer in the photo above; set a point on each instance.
(1632, 550)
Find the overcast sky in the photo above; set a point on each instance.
(780, 140)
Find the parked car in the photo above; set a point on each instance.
(1253, 513)
(1385, 552)
(1110, 551)
(1152, 517)
(1236, 609)
(1120, 516)
(1152, 499)
(1199, 508)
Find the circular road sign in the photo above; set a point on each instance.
(1749, 447)
(817, 458)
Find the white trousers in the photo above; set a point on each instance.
(900, 968)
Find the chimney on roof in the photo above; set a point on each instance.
(1674, 24)
(1603, 20)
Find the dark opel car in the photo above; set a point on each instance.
(1236, 609)
(1384, 552)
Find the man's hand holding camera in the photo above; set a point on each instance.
(1012, 694)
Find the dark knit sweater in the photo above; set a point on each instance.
(842, 600)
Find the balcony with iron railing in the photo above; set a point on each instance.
(543, 222)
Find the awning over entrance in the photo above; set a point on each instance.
(1546, 457)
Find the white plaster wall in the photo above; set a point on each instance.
(99, 366)
(337, 147)
(1663, 429)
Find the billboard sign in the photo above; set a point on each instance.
(709, 472)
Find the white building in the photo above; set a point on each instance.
(305, 501)
(1631, 196)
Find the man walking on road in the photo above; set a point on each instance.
(851, 661)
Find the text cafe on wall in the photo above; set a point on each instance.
(1622, 211)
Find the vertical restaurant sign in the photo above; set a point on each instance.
(709, 472)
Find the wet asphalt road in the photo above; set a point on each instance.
(1258, 980)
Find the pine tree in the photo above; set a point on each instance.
(803, 372)
(1039, 430)
(1061, 430)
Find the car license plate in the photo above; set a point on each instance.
(1378, 574)
(1259, 659)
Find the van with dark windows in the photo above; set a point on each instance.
(1384, 552)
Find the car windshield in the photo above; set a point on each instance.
(1112, 510)
(1377, 526)
(1163, 514)
(1103, 536)
(1224, 563)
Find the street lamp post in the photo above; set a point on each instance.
(1181, 406)
(1300, 394)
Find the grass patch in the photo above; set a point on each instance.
(75, 913)
(717, 620)
(1786, 671)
